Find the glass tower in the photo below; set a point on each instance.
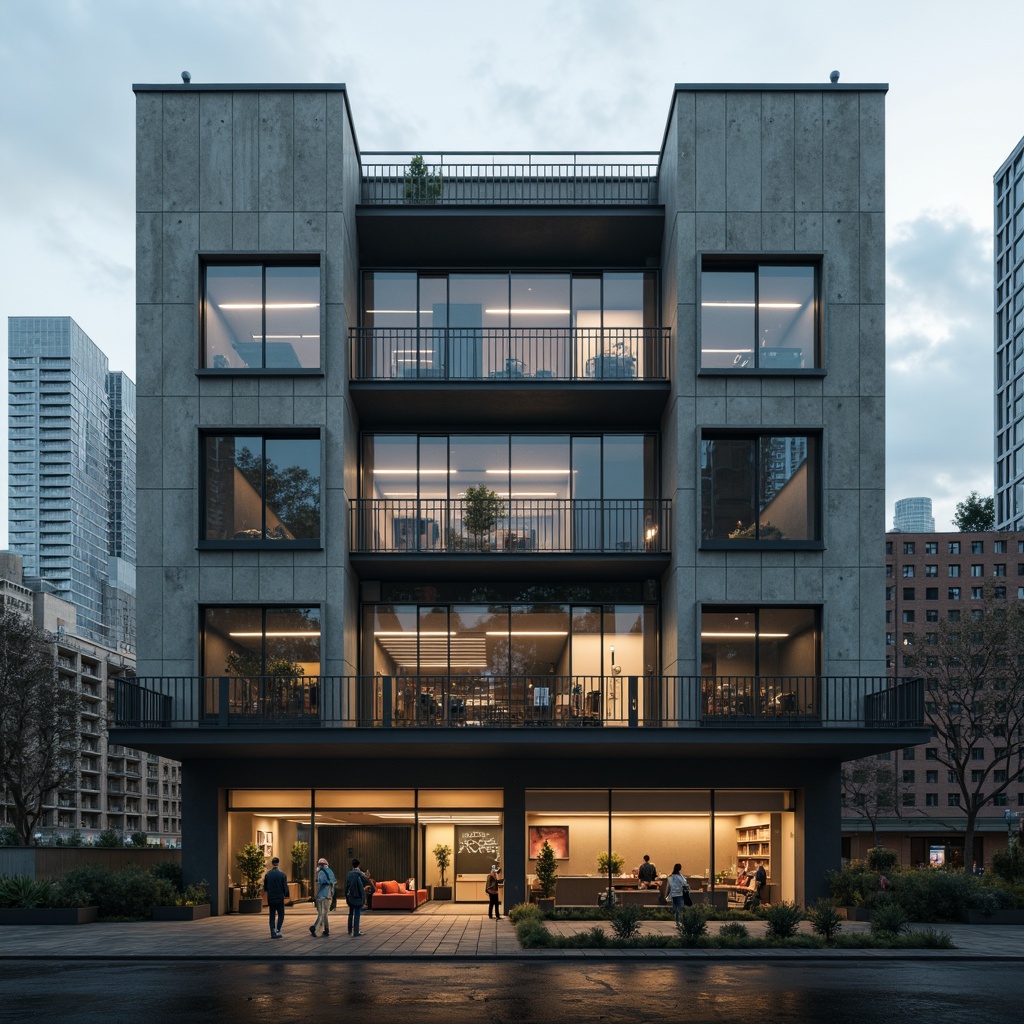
(1008, 187)
(71, 448)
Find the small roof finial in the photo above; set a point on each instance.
(834, 77)
(186, 77)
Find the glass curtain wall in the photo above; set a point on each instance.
(550, 492)
(482, 326)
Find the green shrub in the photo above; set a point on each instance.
(532, 934)
(118, 894)
(783, 919)
(166, 894)
(931, 895)
(882, 861)
(853, 886)
(524, 911)
(733, 932)
(693, 924)
(597, 938)
(825, 919)
(22, 892)
(195, 895)
(169, 870)
(1008, 865)
(75, 839)
(109, 839)
(626, 920)
(888, 918)
(927, 938)
(90, 880)
(9, 836)
(140, 840)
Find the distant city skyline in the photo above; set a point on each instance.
(560, 76)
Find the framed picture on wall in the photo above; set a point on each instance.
(260, 838)
(270, 839)
(556, 835)
(268, 850)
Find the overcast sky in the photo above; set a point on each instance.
(540, 75)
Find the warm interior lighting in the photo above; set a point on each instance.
(527, 472)
(747, 636)
(269, 305)
(270, 633)
(528, 632)
(287, 337)
(527, 494)
(413, 472)
(409, 312)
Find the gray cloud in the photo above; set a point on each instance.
(939, 363)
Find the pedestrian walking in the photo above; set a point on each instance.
(493, 889)
(355, 896)
(325, 882)
(678, 890)
(275, 885)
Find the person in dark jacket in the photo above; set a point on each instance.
(355, 896)
(275, 885)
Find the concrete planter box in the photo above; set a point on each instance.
(999, 917)
(442, 892)
(196, 913)
(50, 915)
(250, 906)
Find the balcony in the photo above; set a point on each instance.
(559, 374)
(579, 209)
(584, 536)
(557, 703)
(510, 179)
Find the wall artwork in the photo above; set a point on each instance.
(261, 838)
(556, 835)
(476, 850)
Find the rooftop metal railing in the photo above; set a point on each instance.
(510, 178)
(512, 702)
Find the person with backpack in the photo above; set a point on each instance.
(325, 882)
(355, 896)
(678, 891)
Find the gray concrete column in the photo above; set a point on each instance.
(818, 846)
(204, 835)
(514, 841)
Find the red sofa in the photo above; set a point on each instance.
(394, 895)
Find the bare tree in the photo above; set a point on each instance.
(872, 790)
(39, 718)
(974, 701)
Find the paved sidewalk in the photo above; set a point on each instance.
(437, 933)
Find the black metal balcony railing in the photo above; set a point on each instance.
(518, 354)
(387, 702)
(511, 179)
(395, 525)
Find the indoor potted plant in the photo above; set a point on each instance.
(251, 865)
(443, 857)
(546, 869)
(300, 865)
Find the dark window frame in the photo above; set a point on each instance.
(719, 262)
(264, 544)
(755, 435)
(264, 260)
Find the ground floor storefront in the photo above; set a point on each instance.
(710, 816)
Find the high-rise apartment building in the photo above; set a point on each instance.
(71, 489)
(1008, 189)
(490, 500)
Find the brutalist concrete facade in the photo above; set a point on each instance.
(747, 174)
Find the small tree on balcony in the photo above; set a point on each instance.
(421, 186)
(482, 511)
(39, 721)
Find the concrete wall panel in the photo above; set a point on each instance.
(215, 131)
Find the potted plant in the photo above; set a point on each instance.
(420, 185)
(251, 864)
(443, 857)
(546, 869)
(610, 862)
(300, 864)
(483, 509)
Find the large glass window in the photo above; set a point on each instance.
(260, 641)
(502, 324)
(261, 488)
(759, 316)
(261, 315)
(760, 488)
(549, 492)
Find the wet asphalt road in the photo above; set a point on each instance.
(509, 992)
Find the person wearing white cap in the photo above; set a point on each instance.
(493, 892)
(325, 881)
